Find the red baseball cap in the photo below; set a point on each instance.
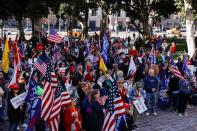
(13, 86)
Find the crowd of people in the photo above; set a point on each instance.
(155, 77)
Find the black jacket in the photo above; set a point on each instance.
(13, 114)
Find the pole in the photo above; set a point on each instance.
(59, 24)
(48, 24)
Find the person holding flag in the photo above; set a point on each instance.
(35, 112)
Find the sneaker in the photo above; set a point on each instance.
(147, 114)
(18, 128)
(24, 125)
(155, 114)
(190, 106)
(135, 127)
(185, 114)
(180, 115)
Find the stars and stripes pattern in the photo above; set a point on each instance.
(54, 36)
(49, 84)
(62, 98)
(115, 108)
(175, 69)
(41, 66)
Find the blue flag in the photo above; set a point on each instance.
(185, 68)
(31, 94)
(87, 50)
(105, 48)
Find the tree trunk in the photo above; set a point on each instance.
(146, 29)
(104, 22)
(20, 26)
(189, 28)
(85, 26)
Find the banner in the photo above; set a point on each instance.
(139, 105)
(18, 100)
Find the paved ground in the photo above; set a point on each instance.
(165, 121)
(169, 121)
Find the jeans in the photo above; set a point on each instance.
(151, 102)
(13, 126)
(183, 99)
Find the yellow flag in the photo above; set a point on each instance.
(102, 65)
(5, 58)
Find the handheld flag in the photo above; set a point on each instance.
(5, 58)
(54, 36)
(105, 48)
(115, 108)
(102, 65)
(132, 68)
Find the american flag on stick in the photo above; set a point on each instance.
(49, 84)
(175, 69)
(41, 66)
(54, 36)
(62, 98)
(115, 108)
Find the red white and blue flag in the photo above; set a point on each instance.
(49, 84)
(41, 66)
(175, 69)
(115, 108)
(54, 36)
(62, 98)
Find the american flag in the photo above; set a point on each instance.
(115, 108)
(49, 84)
(175, 69)
(54, 36)
(41, 66)
(62, 98)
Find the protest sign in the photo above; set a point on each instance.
(1, 102)
(140, 106)
(18, 100)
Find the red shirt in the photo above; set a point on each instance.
(70, 115)
(173, 49)
(132, 52)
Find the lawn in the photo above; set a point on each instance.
(180, 43)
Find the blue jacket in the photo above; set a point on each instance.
(150, 82)
(96, 118)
